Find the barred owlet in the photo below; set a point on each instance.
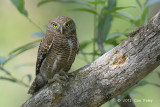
(56, 52)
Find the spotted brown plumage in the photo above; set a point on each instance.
(56, 52)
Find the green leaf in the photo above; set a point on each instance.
(2, 59)
(124, 15)
(19, 4)
(146, 3)
(144, 16)
(23, 46)
(38, 34)
(8, 79)
(105, 20)
(29, 76)
(111, 4)
(64, 1)
(115, 38)
(21, 49)
(141, 83)
(13, 55)
(84, 44)
(154, 84)
(139, 3)
(116, 8)
(96, 2)
(85, 10)
(104, 26)
(112, 42)
(113, 35)
(4, 70)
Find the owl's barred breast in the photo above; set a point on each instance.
(60, 57)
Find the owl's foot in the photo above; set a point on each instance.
(66, 74)
(56, 77)
(71, 74)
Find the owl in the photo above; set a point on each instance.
(57, 51)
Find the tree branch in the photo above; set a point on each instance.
(109, 75)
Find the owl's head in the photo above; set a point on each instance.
(61, 25)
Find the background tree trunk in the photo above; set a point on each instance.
(109, 75)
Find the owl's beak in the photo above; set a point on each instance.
(61, 30)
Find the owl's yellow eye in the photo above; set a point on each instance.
(67, 25)
(55, 25)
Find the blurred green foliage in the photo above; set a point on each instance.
(20, 6)
(104, 12)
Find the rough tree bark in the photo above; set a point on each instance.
(109, 75)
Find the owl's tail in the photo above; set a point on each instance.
(37, 84)
(33, 89)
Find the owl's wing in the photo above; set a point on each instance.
(78, 46)
(44, 47)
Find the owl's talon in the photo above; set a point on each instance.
(53, 80)
(62, 78)
(64, 74)
(57, 78)
(71, 74)
(67, 75)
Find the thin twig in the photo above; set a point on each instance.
(34, 24)
(14, 78)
